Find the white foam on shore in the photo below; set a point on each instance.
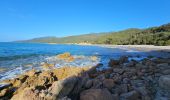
(79, 61)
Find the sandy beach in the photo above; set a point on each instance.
(137, 47)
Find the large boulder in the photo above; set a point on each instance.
(62, 88)
(96, 94)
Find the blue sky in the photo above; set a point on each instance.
(25, 19)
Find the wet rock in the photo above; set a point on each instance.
(123, 59)
(113, 62)
(48, 66)
(108, 83)
(93, 58)
(132, 95)
(131, 64)
(96, 94)
(66, 56)
(164, 82)
(5, 85)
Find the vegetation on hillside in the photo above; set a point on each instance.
(150, 36)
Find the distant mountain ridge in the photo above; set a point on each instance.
(133, 36)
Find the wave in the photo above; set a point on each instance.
(18, 57)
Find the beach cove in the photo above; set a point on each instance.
(124, 75)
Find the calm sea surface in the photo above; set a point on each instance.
(15, 58)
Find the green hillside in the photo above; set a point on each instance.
(150, 36)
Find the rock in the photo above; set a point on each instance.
(115, 96)
(123, 59)
(113, 62)
(63, 87)
(144, 92)
(93, 58)
(6, 85)
(118, 70)
(31, 73)
(101, 77)
(89, 84)
(166, 72)
(66, 56)
(164, 82)
(65, 98)
(97, 83)
(108, 83)
(48, 66)
(65, 72)
(126, 80)
(3, 92)
(26, 94)
(162, 65)
(131, 64)
(132, 95)
(96, 94)
(119, 89)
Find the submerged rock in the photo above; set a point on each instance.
(66, 56)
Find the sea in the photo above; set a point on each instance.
(17, 58)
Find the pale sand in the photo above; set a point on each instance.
(137, 47)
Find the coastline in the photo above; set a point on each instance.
(133, 47)
(124, 80)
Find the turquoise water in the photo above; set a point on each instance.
(15, 58)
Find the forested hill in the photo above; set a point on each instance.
(150, 36)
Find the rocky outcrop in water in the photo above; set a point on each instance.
(148, 79)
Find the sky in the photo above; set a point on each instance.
(26, 19)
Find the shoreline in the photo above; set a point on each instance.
(124, 79)
(135, 47)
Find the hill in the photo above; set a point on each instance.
(150, 36)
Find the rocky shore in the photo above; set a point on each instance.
(148, 79)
